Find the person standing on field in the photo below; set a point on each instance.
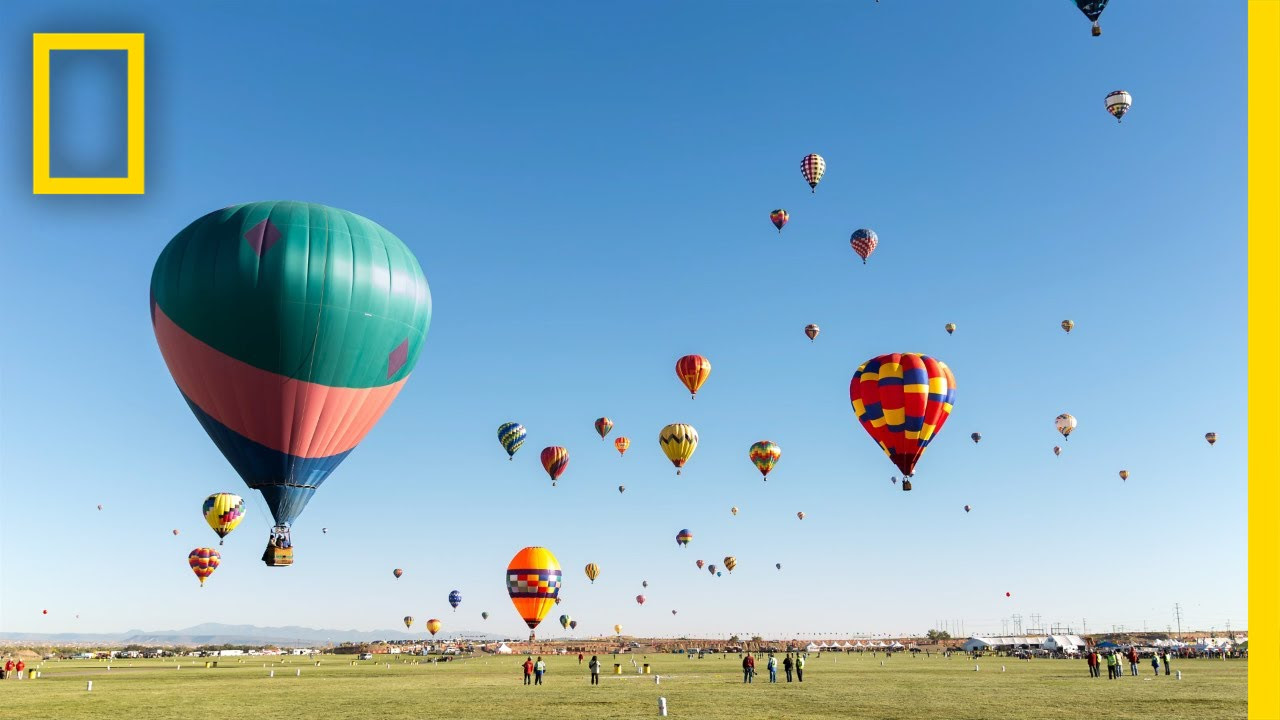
(748, 668)
(1155, 663)
(800, 668)
(1133, 661)
(1092, 660)
(786, 665)
(594, 666)
(528, 671)
(1166, 662)
(773, 668)
(538, 669)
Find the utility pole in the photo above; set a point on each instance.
(1177, 614)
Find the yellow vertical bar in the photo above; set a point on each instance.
(39, 112)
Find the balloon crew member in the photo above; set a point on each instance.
(539, 668)
(528, 670)
(594, 666)
(787, 665)
(799, 668)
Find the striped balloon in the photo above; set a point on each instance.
(554, 460)
(693, 370)
(511, 435)
(678, 442)
(603, 426)
(903, 400)
(813, 167)
(863, 242)
(730, 562)
(593, 572)
(683, 538)
(622, 444)
(779, 218)
(289, 329)
(203, 562)
(408, 620)
(811, 331)
(764, 455)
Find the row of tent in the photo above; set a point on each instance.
(859, 645)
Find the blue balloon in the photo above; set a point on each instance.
(511, 435)
(455, 599)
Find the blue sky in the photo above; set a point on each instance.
(587, 189)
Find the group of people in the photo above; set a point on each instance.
(1114, 659)
(788, 665)
(534, 670)
(13, 669)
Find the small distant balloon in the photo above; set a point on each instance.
(203, 562)
(799, 515)
(640, 599)
(778, 565)
(511, 435)
(976, 437)
(175, 531)
(617, 629)
(1066, 424)
(1008, 594)
(324, 530)
(46, 612)
(573, 624)
(734, 510)
(684, 537)
(967, 508)
(1211, 437)
(622, 488)
(397, 572)
(593, 572)
(408, 621)
(644, 583)
(730, 562)
(554, 460)
(603, 426)
(699, 563)
(950, 328)
(564, 621)
(863, 242)
(813, 167)
(673, 612)
(1057, 449)
(693, 370)
(764, 455)
(1124, 474)
(455, 599)
(433, 626)
(1118, 103)
(622, 444)
(711, 569)
(1067, 325)
(811, 331)
(894, 479)
(779, 218)
(484, 615)
(99, 507)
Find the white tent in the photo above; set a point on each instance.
(1064, 643)
(858, 644)
(811, 648)
(503, 649)
(846, 645)
(823, 646)
(896, 645)
(976, 643)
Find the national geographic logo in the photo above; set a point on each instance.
(42, 45)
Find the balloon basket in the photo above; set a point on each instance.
(1097, 30)
(279, 552)
(906, 485)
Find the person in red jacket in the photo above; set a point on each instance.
(1092, 658)
(1133, 661)
(528, 671)
(20, 667)
(748, 668)
(8, 668)
(579, 658)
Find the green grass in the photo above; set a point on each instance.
(835, 686)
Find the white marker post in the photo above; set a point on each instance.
(662, 706)
(299, 672)
(271, 673)
(89, 688)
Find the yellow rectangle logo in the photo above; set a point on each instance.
(42, 44)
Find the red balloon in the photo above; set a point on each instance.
(902, 401)
(44, 612)
(1008, 595)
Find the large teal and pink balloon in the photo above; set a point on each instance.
(289, 328)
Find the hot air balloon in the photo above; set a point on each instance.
(894, 479)
(799, 515)
(950, 328)
(678, 442)
(734, 510)
(1124, 474)
(779, 218)
(966, 508)
(864, 242)
(1092, 9)
(673, 612)
(811, 331)
(1067, 326)
(639, 599)
(511, 435)
(554, 460)
(324, 530)
(223, 512)
(408, 620)
(622, 444)
(778, 565)
(203, 562)
(1118, 103)
(1211, 437)
(564, 621)
(175, 531)
(902, 401)
(1065, 424)
(433, 626)
(289, 328)
(46, 612)
(730, 562)
(593, 572)
(711, 569)
(533, 582)
(683, 537)
(573, 624)
(975, 437)
(693, 370)
(603, 426)
(1008, 594)
(698, 563)
(617, 629)
(622, 488)
(455, 599)
(764, 455)
(718, 574)
(99, 507)
(813, 167)
(644, 583)
(1057, 450)
(484, 615)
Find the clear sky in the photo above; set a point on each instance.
(587, 187)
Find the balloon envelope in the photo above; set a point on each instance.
(621, 444)
(779, 218)
(223, 512)
(511, 435)
(593, 571)
(764, 455)
(811, 331)
(902, 400)
(433, 626)
(684, 537)
(533, 582)
(813, 167)
(678, 441)
(203, 562)
(554, 460)
(289, 329)
(603, 426)
(693, 370)
(455, 599)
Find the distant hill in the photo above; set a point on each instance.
(220, 634)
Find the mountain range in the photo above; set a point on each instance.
(220, 634)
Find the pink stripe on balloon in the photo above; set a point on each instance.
(292, 416)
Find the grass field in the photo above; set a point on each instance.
(904, 688)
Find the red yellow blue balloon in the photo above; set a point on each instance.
(764, 455)
(903, 400)
(533, 582)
